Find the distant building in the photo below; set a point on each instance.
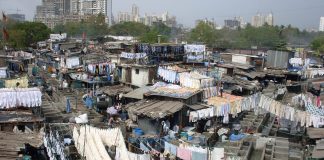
(321, 26)
(211, 22)
(269, 19)
(147, 19)
(17, 17)
(260, 20)
(110, 19)
(124, 17)
(53, 12)
(257, 20)
(232, 23)
(135, 13)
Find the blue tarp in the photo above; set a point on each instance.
(238, 137)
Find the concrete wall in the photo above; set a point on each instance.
(262, 141)
(141, 78)
(239, 59)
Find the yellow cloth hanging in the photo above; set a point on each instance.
(12, 83)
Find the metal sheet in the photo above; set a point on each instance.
(239, 59)
(278, 59)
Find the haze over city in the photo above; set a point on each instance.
(299, 13)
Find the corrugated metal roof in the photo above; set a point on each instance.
(154, 108)
(114, 90)
(137, 93)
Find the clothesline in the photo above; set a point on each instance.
(223, 106)
(132, 55)
(194, 48)
(283, 111)
(190, 152)
(18, 89)
(92, 141)
(26, 97)
(258, 102)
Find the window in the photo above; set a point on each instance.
(137, 71)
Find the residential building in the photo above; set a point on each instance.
(257, 20)
(321, 26)
(110, 19)
(124, 17)
(135, 13)
(147, 19)
(242, 22)
(75, 7)
(17, 17)
(93, 7)
(211, 22)
(260, 20)
(232, 23)
(53, 12)
(269, 19)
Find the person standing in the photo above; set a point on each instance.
(87, 99)
(68, 105)
(221, 90)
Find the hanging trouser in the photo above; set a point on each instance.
(68, 105)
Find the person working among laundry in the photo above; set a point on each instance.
(114, 121)
(87, 99)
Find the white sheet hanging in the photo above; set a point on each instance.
(132, 55)
(194, 48)
(91, 141)
(25, 97)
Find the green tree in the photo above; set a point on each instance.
(204, 33)
(24, 34)
(93, 27)
(152, 37)
(157, 30)
(318, 45)
(18, 39)
(129, 29)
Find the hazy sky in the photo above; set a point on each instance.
(300, 13)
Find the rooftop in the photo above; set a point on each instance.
(171, 90)
(154, 108)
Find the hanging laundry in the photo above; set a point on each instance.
(101, 68)
(90, 142)
(296, 61)
(54, 146)
(134, 156)
(20, 97)
(133, 55)
(12, 83)
(312, 73)
(169, 74)
(195, 58)
(183, 153)
(195, 48)
(3, 72)
(195, 80)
